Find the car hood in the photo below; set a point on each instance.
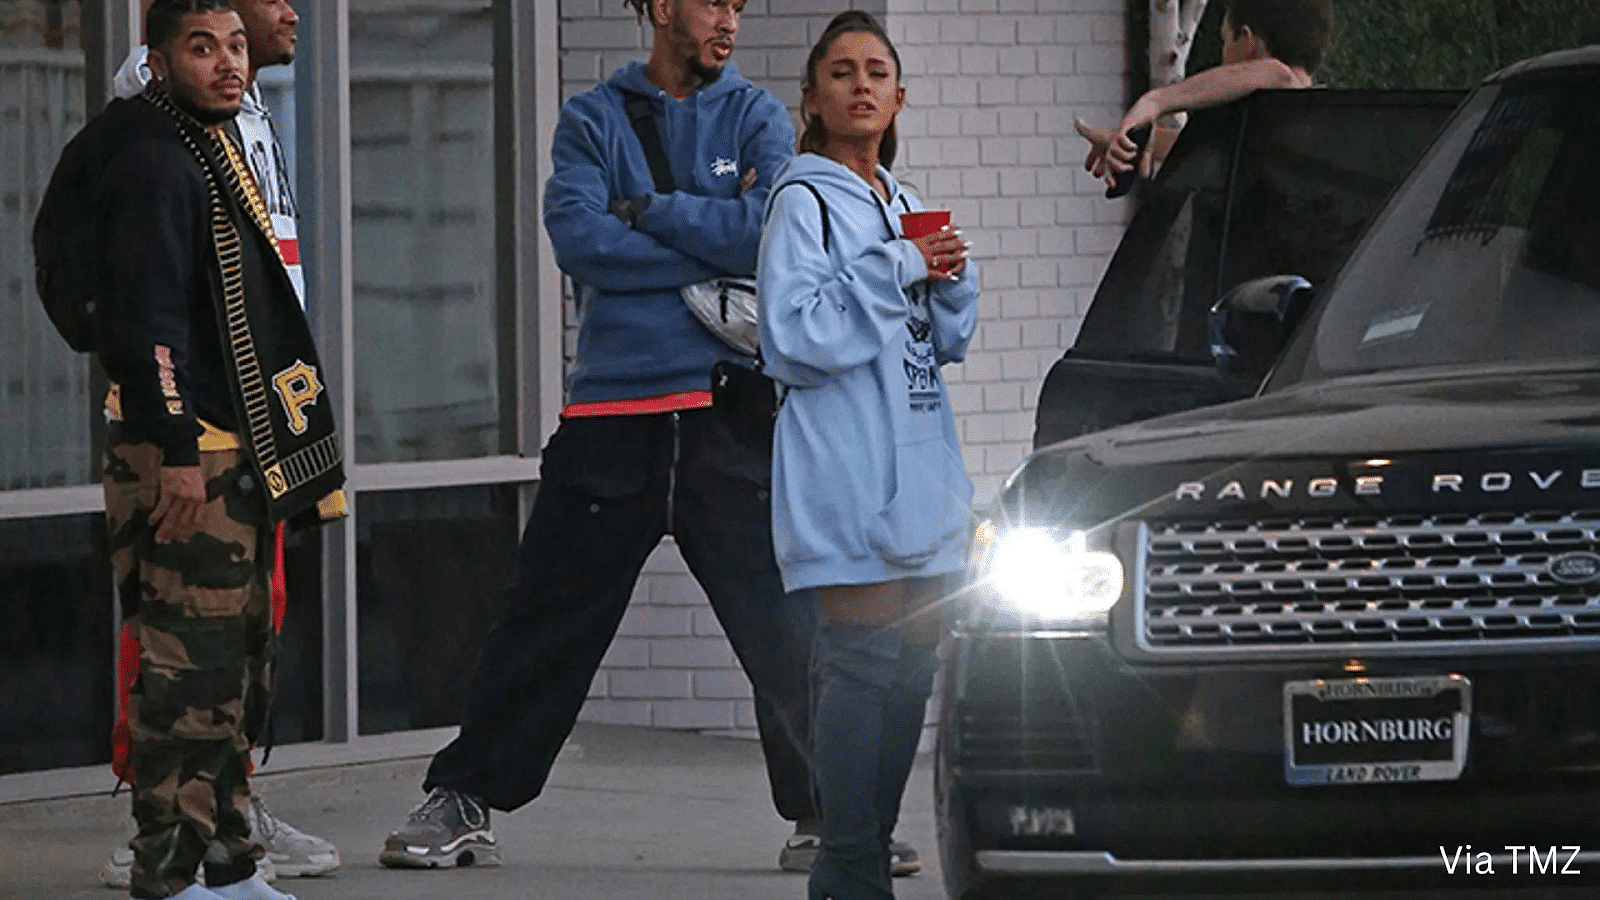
(1452, 440)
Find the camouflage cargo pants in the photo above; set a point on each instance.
(201, 612)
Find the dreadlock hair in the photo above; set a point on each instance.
(1296, 32)
(161, 20)
(851, 20)
(641, 8)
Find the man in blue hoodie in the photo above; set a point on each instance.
(639, 453)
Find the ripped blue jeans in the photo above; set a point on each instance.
(870, 689)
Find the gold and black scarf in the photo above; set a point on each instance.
(286, 416)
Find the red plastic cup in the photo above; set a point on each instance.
(917, 224)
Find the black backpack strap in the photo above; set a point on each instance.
(827, 226)
(641, 112)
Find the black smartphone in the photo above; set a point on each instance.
(1126, 180)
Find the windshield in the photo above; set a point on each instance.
(1490, 253)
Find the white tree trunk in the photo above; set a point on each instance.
(1172, 27)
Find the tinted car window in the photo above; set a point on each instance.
(1490, 254)
(1283, 182)
(1165, 267)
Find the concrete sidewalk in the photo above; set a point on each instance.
(628, 813)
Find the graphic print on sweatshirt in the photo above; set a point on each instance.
(270, 166)
(921, 367)
(271, 169)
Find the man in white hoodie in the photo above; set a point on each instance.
(270, 35)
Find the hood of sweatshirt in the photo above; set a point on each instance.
(834, 178)
(632, 78)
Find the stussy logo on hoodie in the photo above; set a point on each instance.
(723, 166)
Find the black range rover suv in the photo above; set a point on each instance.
(1348, 627)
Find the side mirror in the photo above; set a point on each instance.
(1251, 323)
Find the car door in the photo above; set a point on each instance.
(1281, 182)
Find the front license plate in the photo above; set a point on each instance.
(1375, 730)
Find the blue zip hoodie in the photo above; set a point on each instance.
(867, 479)
(636, 338)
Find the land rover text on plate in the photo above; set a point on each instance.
(1350, 626)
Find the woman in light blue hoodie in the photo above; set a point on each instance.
(871, 503)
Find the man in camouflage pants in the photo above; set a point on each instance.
(270, 29)
(219, 428)
(201, 611)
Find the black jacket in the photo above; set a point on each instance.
(197, 317)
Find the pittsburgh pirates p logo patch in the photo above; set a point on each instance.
(298, 387)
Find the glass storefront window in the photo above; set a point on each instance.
(430, 325)
(422, 164)
(56, 629)
(431, 566)
(297, 699)
(44, 386)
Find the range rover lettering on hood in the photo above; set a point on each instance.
(1373, 485)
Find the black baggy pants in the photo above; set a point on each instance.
(610, 488)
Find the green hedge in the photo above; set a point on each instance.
(1410, 43)
(1449, 43)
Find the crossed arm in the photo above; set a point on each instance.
(676, 238)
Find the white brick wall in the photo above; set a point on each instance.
(992, 87)
(992, 90)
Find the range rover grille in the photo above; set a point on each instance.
(1369, 582)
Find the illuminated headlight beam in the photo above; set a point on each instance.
(1061, 581)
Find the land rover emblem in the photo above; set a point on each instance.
(1578, 567)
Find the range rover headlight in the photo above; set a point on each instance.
(1034, 572)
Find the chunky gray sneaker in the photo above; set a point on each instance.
(448, 829)
(292, 852)
(117, 871)
(903, 859)
(800, 850)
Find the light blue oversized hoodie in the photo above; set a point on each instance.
(867, 479)
(636, 338)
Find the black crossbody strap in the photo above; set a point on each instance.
(641, 112)
(827, 225)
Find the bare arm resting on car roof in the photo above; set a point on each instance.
(1112, 151)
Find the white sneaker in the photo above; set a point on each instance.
(252, 888)
(195, 892)
(292, 852)
(117, 871)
